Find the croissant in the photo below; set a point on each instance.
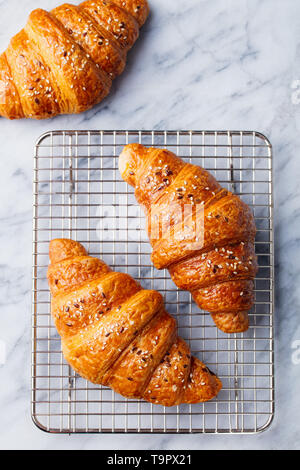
(201, 232)
(63, 62)
(117, 334)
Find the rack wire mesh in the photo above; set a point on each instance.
(78, 193)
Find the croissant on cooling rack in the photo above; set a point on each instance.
(63, 62)
(116, 334)
(201, 232)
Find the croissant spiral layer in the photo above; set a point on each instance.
(201, 232)
(117, 334)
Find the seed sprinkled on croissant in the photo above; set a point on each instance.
(117, 334)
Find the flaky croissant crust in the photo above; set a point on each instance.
(64, 61)
(117, 334)
(217, 261)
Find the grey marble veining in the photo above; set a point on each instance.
(227, 64)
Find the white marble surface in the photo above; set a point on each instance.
(198, 65)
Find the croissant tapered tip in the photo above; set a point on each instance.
(203, 385)
(129, 162)
(62, 248)
(231, 322)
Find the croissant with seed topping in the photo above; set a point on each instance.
(201, 232)
(64, 61)
(117, 334)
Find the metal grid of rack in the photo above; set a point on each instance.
(79, 194)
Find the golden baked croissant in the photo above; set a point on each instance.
(208, 249)
(116, 334)
(64, 61)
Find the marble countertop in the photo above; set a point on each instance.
(227, 64)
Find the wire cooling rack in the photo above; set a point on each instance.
(79, 194)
